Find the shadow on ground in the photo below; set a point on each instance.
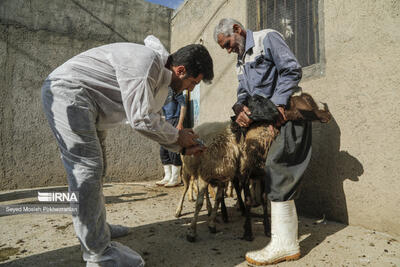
(164, 243)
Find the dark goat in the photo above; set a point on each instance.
(300, 108)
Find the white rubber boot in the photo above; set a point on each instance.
(284, 245)
(175, 177)
(167, 175)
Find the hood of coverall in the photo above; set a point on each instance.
(155, 44)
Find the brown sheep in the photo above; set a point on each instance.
(217, 165)
(254, 150)
(221, 162)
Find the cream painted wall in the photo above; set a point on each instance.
(361, 86)
(353, 175)
(194, 21)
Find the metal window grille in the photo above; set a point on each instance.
(296, 20)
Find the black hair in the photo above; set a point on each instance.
(196, 59)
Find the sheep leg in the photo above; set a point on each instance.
(192, 188)
(211, 191)
(267, 225)
(229, 189)
(190, 195)
(211, 221)
(208, 202)
(248, 235)
(186, 181)
(224, 212)
(239, 195)
(191, 235)
(264, 199)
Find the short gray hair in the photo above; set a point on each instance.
(225, 26)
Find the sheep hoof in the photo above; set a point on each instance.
(190, 238)
(267, 232)
(248, 237)
(267, 228)
(178, 213)
(225, 217)
(212, 230)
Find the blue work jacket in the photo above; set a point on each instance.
(173, 104)
(267, 68)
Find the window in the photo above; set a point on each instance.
(296, 20)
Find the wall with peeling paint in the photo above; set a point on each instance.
(36, 36)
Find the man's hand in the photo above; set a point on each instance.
(282, 118)
(187, 138)
(195, 150)
(179, 126)
(243, 117)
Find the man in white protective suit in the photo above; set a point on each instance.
(100, 89)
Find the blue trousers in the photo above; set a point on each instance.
(168, 157)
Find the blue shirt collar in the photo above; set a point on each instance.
(249, 40)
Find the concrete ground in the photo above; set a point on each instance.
(49, 240)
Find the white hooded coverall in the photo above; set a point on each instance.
(94, 91)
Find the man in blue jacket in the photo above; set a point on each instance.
(174, 110)
(266, 67)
